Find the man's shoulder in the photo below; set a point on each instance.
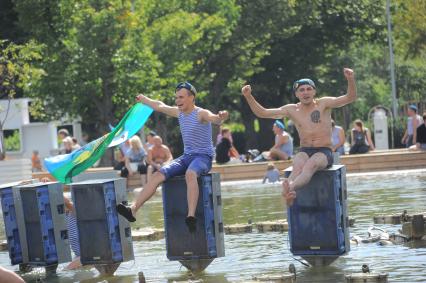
(291, 106)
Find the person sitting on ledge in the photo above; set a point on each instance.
(312, 118)
(283, 146)
(226, 153)
(196, 129)
(360, 139)
(421, 136)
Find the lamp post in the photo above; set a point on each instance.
(392, 63)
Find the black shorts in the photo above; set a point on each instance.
(325, 150)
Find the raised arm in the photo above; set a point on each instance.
(259, 110)
(158, 105)
(349, 97)
(207, 116)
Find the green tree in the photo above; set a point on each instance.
(17, 73)
(100, 54)
(311, 43)
(410, 27)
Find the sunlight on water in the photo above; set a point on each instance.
(253, 254)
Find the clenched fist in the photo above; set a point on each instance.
(246, 90)
(349, 73)
(223, 115)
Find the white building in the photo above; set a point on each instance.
(41, 136)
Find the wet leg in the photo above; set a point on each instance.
(298, 163)
(129, 212)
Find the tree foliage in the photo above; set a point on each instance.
(97, 55)
(17, 74)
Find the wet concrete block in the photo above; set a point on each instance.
(414, 229)
(387, 219)
(367, 278)
(272, 226)
(418, 229)
(238, 228)
(284, 278)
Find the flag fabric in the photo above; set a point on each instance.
(64, 167)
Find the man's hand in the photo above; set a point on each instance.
(349, 74)
(140, 98)
(246, 90)
(223, 115)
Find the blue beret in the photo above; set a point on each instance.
(413, 107)
(303, 82)
(279, 124)
(188, 86)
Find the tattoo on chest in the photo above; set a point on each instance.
(315, 116)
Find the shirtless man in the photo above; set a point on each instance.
(312, 117)
(158, 155)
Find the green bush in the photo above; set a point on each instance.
(12, 140)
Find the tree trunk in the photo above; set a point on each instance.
(107, 112)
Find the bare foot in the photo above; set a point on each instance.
(288, 193)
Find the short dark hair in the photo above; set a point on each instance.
(224, 131)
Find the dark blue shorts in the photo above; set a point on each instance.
(199, 163)
(325, 150)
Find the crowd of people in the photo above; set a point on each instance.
(134, 156)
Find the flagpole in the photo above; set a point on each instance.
(392, 63)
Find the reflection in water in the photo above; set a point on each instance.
(253, 254)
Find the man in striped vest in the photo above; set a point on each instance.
(195, 126)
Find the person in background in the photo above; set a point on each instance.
(68, 145)
(225, 150)
(149, 141)
(421, 136)
(219, 136)
(272, 174)
(414, 120)
(337, 138)
(72, 234)
(120, 155)
(35, 162)
(75, 144)
(283, 146)
(158, 155)
(62, 135)
(135, 160)
(360, 139)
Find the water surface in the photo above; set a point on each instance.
(253, 254)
